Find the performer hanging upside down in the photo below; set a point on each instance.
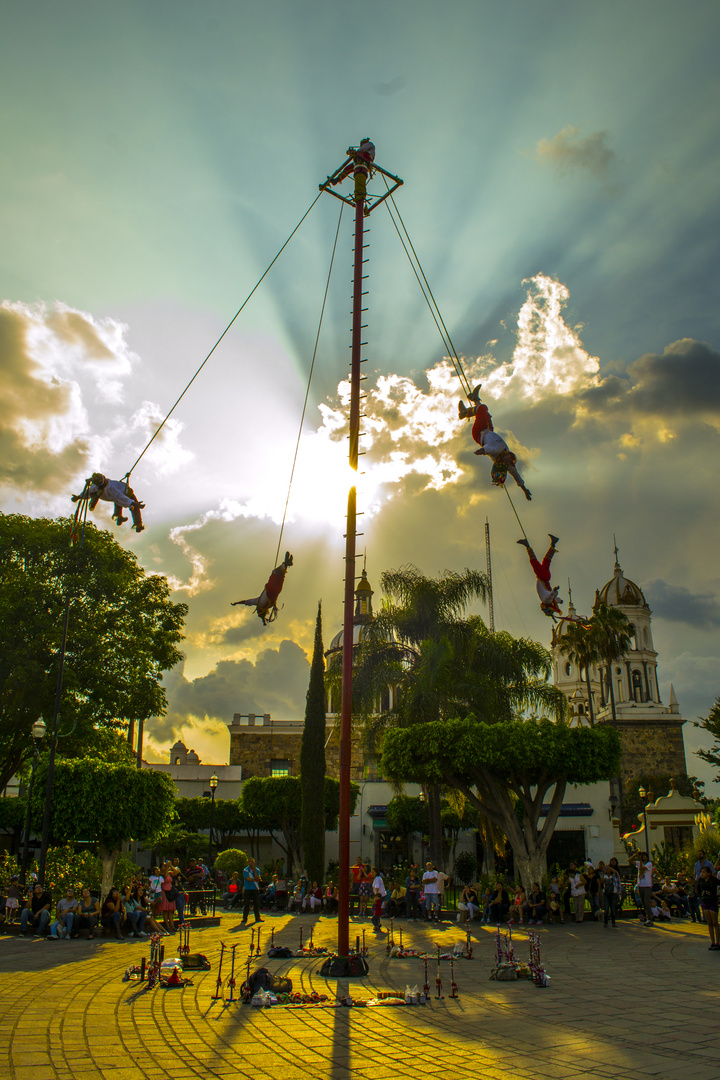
(360, 167)
(266, 602)
(490, 443)
(549, 603)
(117, 492)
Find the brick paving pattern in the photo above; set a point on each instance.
(629, 1003)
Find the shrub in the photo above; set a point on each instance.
(231, 861)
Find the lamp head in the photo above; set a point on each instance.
(213, 782)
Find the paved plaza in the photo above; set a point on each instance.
(630, 1003)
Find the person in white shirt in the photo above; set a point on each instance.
(117, 492)
(430, 888)
(644, 885)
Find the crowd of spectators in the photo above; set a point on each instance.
(137, 909)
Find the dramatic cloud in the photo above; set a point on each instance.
(683, 381)
(276, 683)
(567, 152)
(678, 604)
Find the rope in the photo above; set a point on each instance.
(515, 512)
(245, 301)
(428, 295)
(307, 391)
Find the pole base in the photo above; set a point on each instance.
(345, 967)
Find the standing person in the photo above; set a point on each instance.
(702, 860)
(594, 882)
(442, 880)
(644, 885)
(377, 909)
(708, 892)
(577, 891)
(365, 889)
(378, 888)
(429, 882)
(12, 900)
(168, 894)
(251, 891)
(413, 886)
(611, 885)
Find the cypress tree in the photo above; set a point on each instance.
(312, 765)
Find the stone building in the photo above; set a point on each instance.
(650, 732)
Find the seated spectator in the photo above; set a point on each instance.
(36, 911)
(280, 891)
(141, 897)
(499, 903)
(313, 898)
(485, 902)
(88, 912)
(330, 898)
(295, 902)
(135, 912)
(519, 900)
(468, 905)
(233, 895)
(670, 892)
(535, 907)
(112, 913)
(65, 913)
(555, 902)
(13, 900)
(395, 903)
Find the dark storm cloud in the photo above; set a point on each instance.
(683, 380)
(251, 628)
(678, 604)
(276, 683)
(27, 397)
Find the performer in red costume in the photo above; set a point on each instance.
(266, 603)
(549, 603)
(490, 443)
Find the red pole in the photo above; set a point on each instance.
(343, 946)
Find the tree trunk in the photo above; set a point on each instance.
(435, 832)
(590, 700)
(109, 858)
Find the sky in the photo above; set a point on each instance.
(560, 166)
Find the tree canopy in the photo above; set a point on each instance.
(711, 724)
(276, 802)
(123, 632)
(107, 804)
(507, 770)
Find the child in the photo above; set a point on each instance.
(377, 909)
(12, 900)
(555, 900)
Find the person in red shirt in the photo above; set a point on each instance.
(548, 596)
(490, 443)
(266, 603)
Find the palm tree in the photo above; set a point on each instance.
(612, 636)
(578, 643)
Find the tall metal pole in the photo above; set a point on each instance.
(491, 607)
(343, 946)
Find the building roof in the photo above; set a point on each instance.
(620, 591)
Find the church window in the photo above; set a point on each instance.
(618, 671)
(646, 636)
(279, 767)
(633, 637)
(568, 669)
(177, 761)
(637, 690)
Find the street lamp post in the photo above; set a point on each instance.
(38, 734)
(213, 786)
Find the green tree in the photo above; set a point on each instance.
(579, 644)
(612, 636)
(277, 801)
(195, 815)
(507, 770)
(12, 819)
(312, 763)
(123, 633)
(711, 724)
(106, 804)
(410, 638)
(231, 861)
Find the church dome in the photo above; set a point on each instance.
(620, 591)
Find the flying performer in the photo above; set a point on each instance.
(266, 603)
(549, 603)
(359, 167)
(117, 492)
(490, 443)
